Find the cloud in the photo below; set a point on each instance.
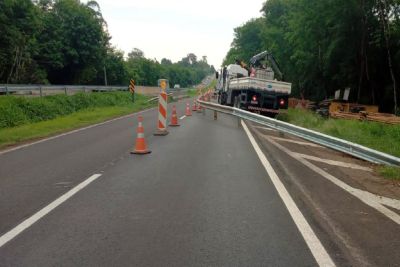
(173, 28)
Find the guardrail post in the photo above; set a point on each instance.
(84, 89)
(65, 90)
(204, 111)
(40, 91)
(7, 90)
(215, 115)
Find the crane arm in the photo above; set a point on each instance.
(255, 61)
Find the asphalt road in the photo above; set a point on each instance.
(201, 198)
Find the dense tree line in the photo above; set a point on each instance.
(67, 42)
(326, 45)
(186, 72)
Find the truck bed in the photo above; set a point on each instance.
(260, 84)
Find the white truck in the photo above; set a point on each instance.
(254, 89)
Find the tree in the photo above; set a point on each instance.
(323, 46)
(135, 53)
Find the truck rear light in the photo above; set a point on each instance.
(282, 102)
(254, 98)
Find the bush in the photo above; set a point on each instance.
(15, 111)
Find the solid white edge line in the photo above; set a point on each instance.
(312, 241)
(44, 211)
(181, 118)
(73, 131)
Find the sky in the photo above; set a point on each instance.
(172, 29)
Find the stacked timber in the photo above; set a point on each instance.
(345, 115)
(367, 116)
(380, 117)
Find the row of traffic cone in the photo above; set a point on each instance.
(140, 144)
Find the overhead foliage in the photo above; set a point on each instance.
(323, 46)
(67, 42)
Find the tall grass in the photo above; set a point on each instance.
(379, 136)
(90, 110)
(16, 111)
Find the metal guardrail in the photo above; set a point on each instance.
(341, 145)
(13, 88)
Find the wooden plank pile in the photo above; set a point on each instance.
(380, 117)
(367, 116)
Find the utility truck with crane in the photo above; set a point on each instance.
(254, 88)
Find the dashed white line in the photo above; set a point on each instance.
(181, 118)
(44, 211)
(312, 241)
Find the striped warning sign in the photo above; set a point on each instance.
(132, 86)
(162, 114)
(162, 108)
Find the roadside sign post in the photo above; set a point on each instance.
(132, 89)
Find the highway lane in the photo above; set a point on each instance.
(201, 198)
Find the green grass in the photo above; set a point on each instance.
(191, 92)
(16, 111)
(389, 172)
(378, 136)
(29, 131)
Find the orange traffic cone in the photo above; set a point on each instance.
(199, 108)
(194, 108)
(188, 112)
(174, 117)
(140, 144)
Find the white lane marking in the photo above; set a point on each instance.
(334, 162)
(293, 141)
(312, 241)
(266, 128)
(44, 211)
(71, 132)
(368, 198)
(181, 118)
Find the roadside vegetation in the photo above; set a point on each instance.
(67, 42)
(24, 119)
(392, 173)
(378, 136)
(323, 46)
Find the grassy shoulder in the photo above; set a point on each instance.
(378, 136)
(84, 117)
(389, 172)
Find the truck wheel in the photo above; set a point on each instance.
(223, 99)
(236, 102)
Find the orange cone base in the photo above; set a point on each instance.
(175, 125)
(188, 115)
(161, 133)
(141, 152)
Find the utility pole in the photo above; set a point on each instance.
(105, 76)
